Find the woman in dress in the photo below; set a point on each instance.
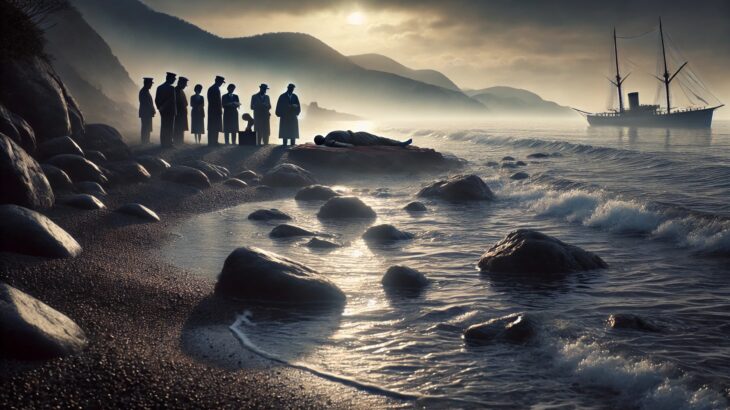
(197, 114)
(230, 114)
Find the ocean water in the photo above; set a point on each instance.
(654, 204)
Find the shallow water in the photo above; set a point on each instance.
(653, 203)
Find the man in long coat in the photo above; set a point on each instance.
(165, 101)
(181, 118)
(287, 109)
(260, 105)
(215, 111)
(146, 110)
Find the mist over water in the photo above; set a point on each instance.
(652, 203)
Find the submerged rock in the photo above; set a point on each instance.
(459, 188)
(59, 180)
(235, 183)
(518, 176)
(57, 146)
(403, 277)
(212, 171)
(525, 251)
(509, 165)
(28, 232)
(140, 211)
(91, 188)
(154, 165)
(78, 168)
(22, 181)
(629, 321)
(289, 231)
(315, 193)
(514, 328)
(538, 155)
(508, 158)
(385, 233)
(185, 175)
(317, 243)
(416, 206)
(254, 274)
(492, 164)
(83, 201)
(268, 215)
(346, 207)
(521, 164)
(288, 175)
(32, 330)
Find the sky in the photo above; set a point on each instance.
(559, 49)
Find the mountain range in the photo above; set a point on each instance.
(380, 62)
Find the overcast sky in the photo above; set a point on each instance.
(559, 48)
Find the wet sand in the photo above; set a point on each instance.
(156, 336)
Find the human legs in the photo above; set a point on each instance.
(146, 129)
(167, 123)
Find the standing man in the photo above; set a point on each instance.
(146, 110)
(181, 118)
(287, 109)
(215, 111)
(260, 105)
(165, 101)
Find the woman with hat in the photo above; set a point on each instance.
(230, 114)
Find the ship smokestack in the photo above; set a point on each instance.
(633, 100)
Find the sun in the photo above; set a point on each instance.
(355, 18)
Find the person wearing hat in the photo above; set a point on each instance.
(261, 106)
(288, 109)
(146, 110)
(215, 110)
(230, 103)
(181, 118)
(165, 101)
(197, 113)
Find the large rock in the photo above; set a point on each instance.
(186, 176)
(289, 231)
(316, 243)
(32, 330)
(128, 172)
(403, 277)
(22, 180)
(214, 172)
(632, 322)
(140, 211)
(106, 139)
(315, 193)
(415, 206)
(288, 175)
(268, 215)
(518, 176)
(514, 328)
(153, 164)
(97, 157)
(538, 155)
(459, 188)
(248, 176)
(385, 233)
(28, 232)
(235, 183)
(78, 168)
(525, 251)
(59, 180)
(345, 207)
(57, 146)
(91, 188)
(254, 274)
(83, 201)
(15, 128)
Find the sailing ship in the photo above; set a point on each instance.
(638, 115)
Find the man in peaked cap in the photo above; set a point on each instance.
(181, 116)
(166, 105)
(261, 105)
(215, 110)
(288, 109)
(146, 110)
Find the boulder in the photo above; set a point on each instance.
(59, 180)
(403, 277)
(212, 171)
(22, 181)
(385, 233)
(106, 139)
(525, 251)
(315, 193)
(128, 172)
(518, 176)
(345, 207)
(32, 330)
(154, 165)
(459, 188)
(288, 175)
(186, 176)
(268, 215)
(508, 158)
(59, 145)
(235, 183)
(289, 231)
(254, 274)
(514, 328)
(28, 232)
(140, 211)
(83, 201)
(248, 176)
(91, 188)
(15, 128)
(316, 243)
(508, 165)
(416, 206)
(78, 168)
(97, 157)
(538, 155)
(521, 164)
(629, 321)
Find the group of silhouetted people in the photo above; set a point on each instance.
(172, 104)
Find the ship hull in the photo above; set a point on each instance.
(682, 119)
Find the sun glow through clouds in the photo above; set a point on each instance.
(356, 18)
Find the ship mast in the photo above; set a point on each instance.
(667, 79)
(619, 81)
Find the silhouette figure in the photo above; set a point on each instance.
(215, 111)
(146, 110)
(346, 139)
(247, 136)
(181, 118)
(165, 101)
(287, 109)
(230, 114)
(250, 121)
(260, 104)
(197, 114)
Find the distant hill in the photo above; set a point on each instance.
(517, 102)
(149, 43)
(380, 62)
(317, 113)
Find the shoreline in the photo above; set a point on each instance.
(150, 323)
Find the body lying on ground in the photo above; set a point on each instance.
(346, 139)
